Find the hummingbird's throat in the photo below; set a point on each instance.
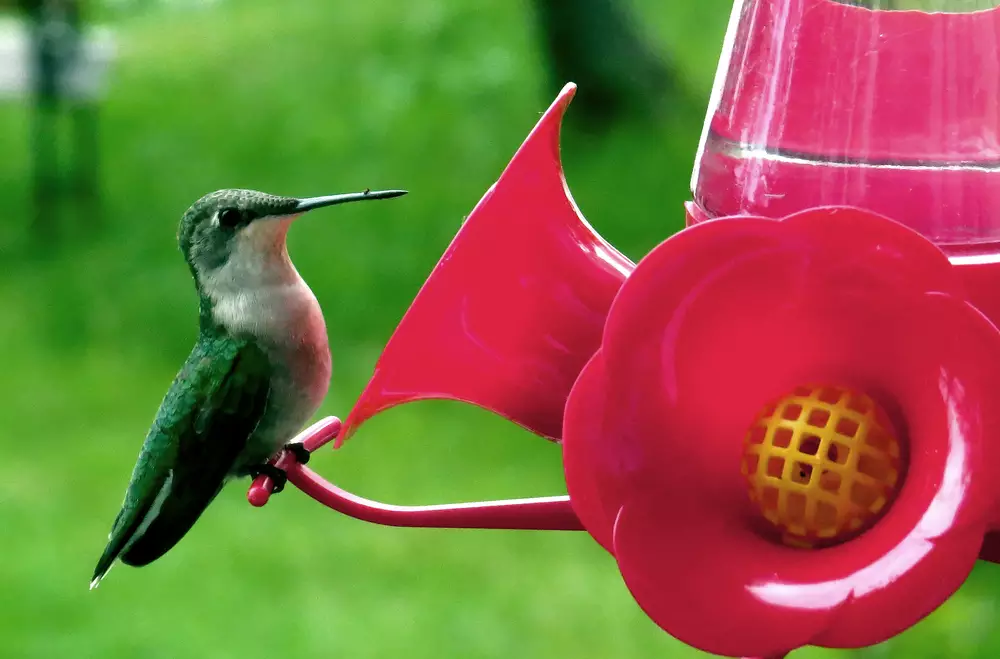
(265, 235)
(258, 257)
(258, 290)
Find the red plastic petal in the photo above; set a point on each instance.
(516, 305)
(880, 607)
(700, 571)
(690, 577)
(654, 309)
(591, 463)
(856, 247)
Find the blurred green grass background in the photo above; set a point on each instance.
(302, 98)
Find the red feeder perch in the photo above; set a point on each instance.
(780, 422)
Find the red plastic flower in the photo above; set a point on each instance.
(726, 316)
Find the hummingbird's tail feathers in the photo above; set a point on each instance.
(103, 566)
(173, 520)
(116, 542)
(100, 573)
(131, 522)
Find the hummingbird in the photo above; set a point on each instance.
(257, 373)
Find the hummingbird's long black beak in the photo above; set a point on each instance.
(318, 202)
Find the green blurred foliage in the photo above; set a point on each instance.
(311, 97)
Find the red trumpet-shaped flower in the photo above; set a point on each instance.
(716, 322)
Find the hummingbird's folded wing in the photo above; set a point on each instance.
(204, 422)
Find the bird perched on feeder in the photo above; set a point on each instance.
(257, 374)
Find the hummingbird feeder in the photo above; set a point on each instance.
(782, 421)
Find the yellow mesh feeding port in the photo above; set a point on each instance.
(822, 464)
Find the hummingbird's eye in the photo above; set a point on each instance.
(230, 218)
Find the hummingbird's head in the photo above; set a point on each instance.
(234, 239)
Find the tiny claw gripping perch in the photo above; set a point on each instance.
(539, 514)
(311, 439)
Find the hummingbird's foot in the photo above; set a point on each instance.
(299, 451)
(278, 476)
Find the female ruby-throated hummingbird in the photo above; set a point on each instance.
(259, 371)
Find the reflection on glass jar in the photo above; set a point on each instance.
(891, 105)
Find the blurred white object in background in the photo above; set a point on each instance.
(85, 77)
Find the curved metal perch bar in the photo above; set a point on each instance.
(542, 513)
